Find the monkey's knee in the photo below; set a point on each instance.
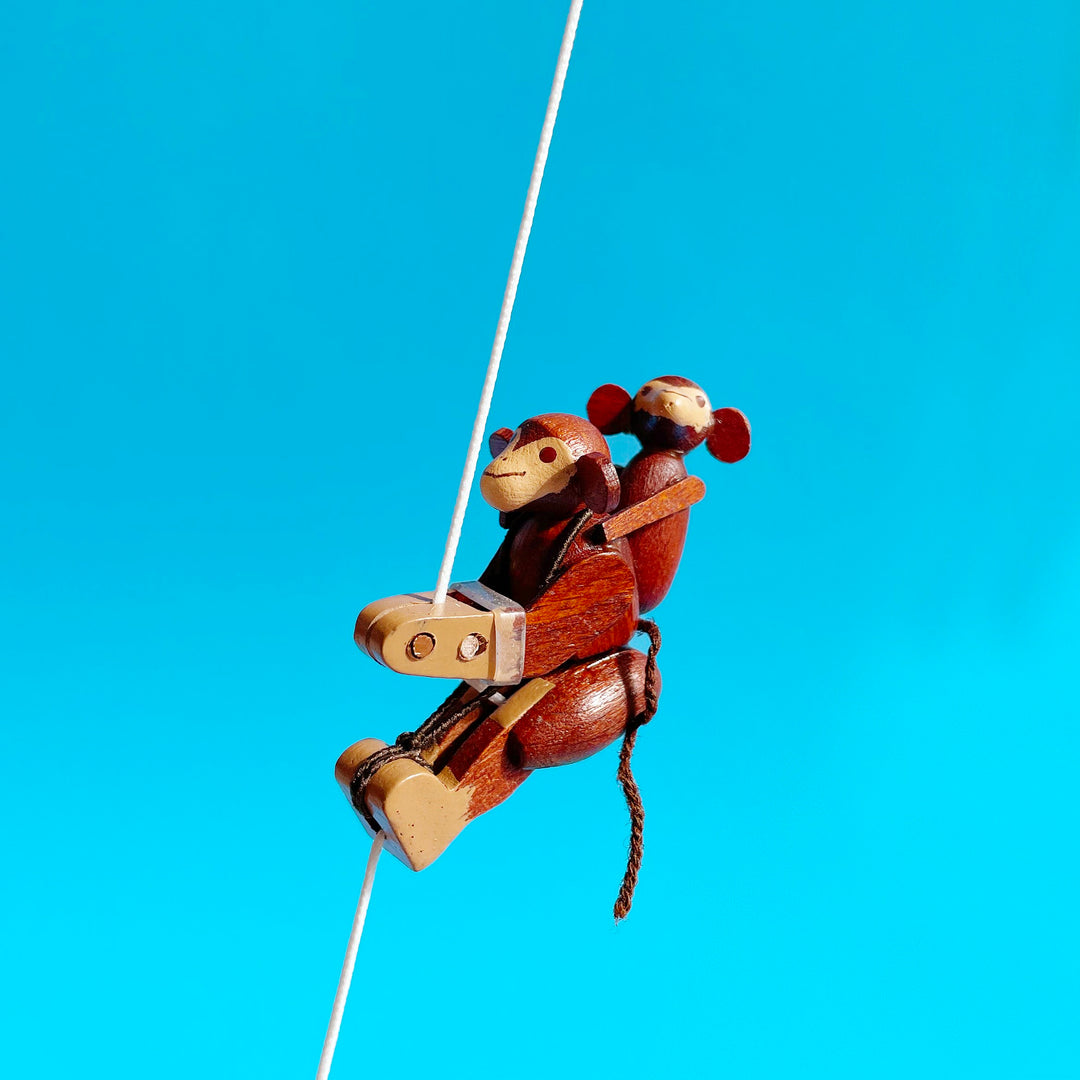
(588, 708)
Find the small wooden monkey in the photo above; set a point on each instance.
(670, 416)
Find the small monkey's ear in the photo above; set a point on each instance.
(609, 409)
(499, 440)
(729, 436)
(599, 483)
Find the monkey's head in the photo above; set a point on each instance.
(671, 413)
(555, 463)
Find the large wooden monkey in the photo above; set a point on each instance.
(541, 643)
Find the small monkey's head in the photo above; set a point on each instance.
(671, 413)
(555, 463)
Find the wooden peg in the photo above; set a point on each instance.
(418, 812)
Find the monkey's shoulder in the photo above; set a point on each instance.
(539, 548)
(648, 472)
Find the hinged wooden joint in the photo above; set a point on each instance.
(476, 635)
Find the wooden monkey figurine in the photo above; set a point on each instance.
(670, 416)
(541, 641)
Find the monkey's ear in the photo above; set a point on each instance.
(499, 440)
(609, 409)
(729, 437)
(599, 483)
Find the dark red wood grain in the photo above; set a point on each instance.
(656, 548)
(729, 438)
(609, 409)
(590, 607)
(588, 709)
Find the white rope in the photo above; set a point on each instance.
(524, 229)
(462, 500)
(350, 961)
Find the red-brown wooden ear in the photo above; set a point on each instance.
(599, 483)
(729, 437)
(609, 409)
(499, 440)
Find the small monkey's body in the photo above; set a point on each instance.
(655, 548)
(670, 416)
(542, 640)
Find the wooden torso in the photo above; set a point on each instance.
(657, 548)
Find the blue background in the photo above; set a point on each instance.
(252, 257)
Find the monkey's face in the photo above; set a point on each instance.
(671, 414)
(525, 472)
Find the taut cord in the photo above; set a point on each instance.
(480, 423)
(330, 1042)
(626, 774)
(462, 501)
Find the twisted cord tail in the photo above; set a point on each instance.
(625, 775)
(637, 827)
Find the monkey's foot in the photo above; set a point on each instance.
(487, 749)
(420, 808)
(418, 812)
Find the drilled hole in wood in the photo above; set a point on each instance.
(472, 646)
(420, 646)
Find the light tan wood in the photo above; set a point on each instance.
(519, 703)
(421, 812)
(476, 635)
(418, 812)
(588, 549)
(680, 496)
(506, 716)
(521, 474)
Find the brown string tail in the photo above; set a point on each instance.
(626, 775)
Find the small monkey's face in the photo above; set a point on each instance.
(672, 414)
(525, 472)
(684, 406)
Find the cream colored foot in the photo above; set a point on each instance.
(418, 812)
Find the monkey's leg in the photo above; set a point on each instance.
(491, 748)
(557, 719)
(589, 707)
(423, 805)
(397, 789)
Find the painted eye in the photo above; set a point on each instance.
(701, 401)
(548, 455)
(646, 391)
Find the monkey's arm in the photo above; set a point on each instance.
(589, 608)
(496, 576)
